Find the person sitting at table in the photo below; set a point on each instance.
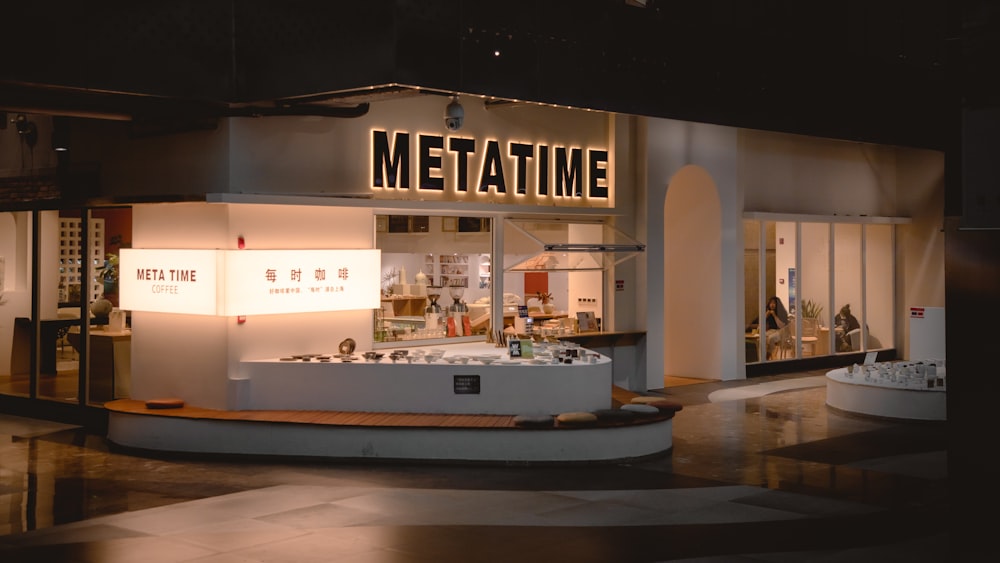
(775, 319)
(844, 323)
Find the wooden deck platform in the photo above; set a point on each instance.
(455, 438)
(619, 397)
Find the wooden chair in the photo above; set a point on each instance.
(786, 340)
(810, 335)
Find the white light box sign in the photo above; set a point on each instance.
(248, 282)
(169, 281)
(260, 282)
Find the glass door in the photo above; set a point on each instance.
(17, 326)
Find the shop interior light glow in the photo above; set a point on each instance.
(249, 282)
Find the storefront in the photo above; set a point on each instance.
(644, 225)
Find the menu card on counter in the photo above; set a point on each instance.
(587, 321)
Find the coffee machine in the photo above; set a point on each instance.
(458, 312)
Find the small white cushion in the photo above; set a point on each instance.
(576, 418)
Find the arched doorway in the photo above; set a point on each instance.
(692, 275)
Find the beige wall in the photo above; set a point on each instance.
(782, 173)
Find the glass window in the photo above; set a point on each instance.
(436, 277)
(754, 292)
(879, 280)
(17, 331)
(834, 280)
(780, 334)
(814, 283)
(556, 269)
(847, 289)
(60, 267)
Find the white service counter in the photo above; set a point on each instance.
(881, 397)
(503, 387)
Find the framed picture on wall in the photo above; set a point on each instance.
(449, 224)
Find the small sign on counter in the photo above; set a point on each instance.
(466, 384)
(521, 348)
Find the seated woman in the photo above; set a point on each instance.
(844, 323)
(775, 319)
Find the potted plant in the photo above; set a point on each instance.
(108, 273)
(811, 309)
(546, 298)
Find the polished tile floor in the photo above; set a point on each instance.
(761, 470)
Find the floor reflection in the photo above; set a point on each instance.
(770, 473)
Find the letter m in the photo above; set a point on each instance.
(393, 162)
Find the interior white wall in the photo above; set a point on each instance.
(584, 294)
(194, 356)
(692, 276)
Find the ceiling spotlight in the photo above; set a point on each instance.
(454, 115)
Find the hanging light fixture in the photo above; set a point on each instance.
(60, 134)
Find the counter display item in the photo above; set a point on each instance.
(561, 377)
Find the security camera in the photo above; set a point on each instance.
(454, 115)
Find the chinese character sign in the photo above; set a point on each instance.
(301, 281)
(249, 282)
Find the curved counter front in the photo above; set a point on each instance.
(852, 393)
(504, 386)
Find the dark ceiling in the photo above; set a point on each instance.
(896, 72)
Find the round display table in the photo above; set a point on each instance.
(871, 393)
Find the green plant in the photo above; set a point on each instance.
(811, 309)
(109, 271)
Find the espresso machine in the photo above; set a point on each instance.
(458, 312)
(432, 314)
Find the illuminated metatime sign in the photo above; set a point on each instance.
(248, 282)
(468, 169)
